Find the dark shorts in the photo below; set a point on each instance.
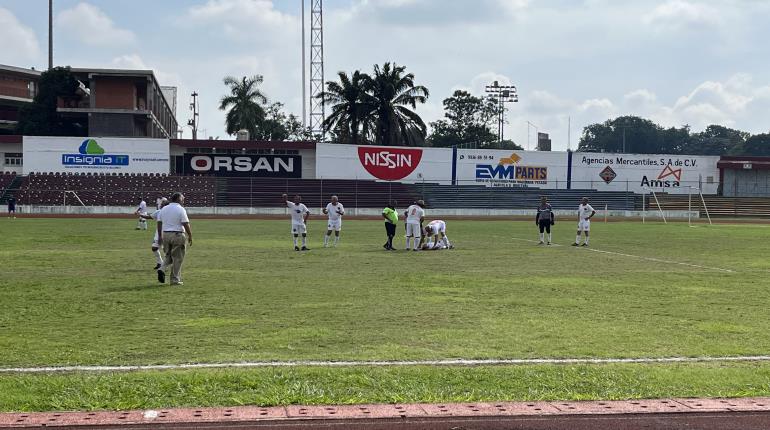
(544, 225)
(390, 229)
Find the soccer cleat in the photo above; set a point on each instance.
(161, 276)
(305, 248)
(177, 283)
(585, 244)
(157, 266)
(296, 248)
(575, 244)
(540, 243)
(549, 243)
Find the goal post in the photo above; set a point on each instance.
(702, 201)
(75, 196)
(657, 203)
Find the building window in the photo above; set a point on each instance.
(14, 159)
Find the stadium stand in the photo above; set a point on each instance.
(717, 205)
(114, 190)
(6, 179)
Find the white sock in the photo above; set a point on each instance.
(304, 240)
(416, 242)
(408, 242)
(158, 258)
(586, 242)
(577, 239)
(295, 241)
(336, 240)
(326, 240)
(549, 237)
(446, 241)
(541, 236)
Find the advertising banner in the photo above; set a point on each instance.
(505, 168)
(640, 173)
(95, 155)
(255, 166)
(384, 163)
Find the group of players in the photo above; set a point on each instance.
(419, 236)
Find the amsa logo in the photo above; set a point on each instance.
(668, 178)
(389, 164)
(90, 153)
(264, 166)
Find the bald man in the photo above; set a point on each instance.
(334, 210)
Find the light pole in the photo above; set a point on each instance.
(503, 94)
(304, 82)
(50, 34)
(194, 121)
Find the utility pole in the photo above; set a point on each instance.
(194, 121)
(304, 69)
(503, 94)
(50, 34)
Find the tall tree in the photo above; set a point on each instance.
(245, 103)
(758, 144)
(629, 134)
(716, 140)
(352, 108)
(468, 121)
(393, 93)
(41, 117)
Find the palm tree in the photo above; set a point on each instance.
(245, 103)
(351, 108)
(393, 93)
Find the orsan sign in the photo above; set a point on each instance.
(260, 166)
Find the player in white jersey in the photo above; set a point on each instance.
(335, 210)
(415, 215)
(141, 210)
(435, 234)
(162, 202)
(299, 215)
(585, 213)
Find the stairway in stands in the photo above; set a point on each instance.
(221, 193)
(9, 191)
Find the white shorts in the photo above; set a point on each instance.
(298, 228)
(584, 225)
(335, 225)
(413, 230)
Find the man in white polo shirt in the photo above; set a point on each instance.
(175, 236)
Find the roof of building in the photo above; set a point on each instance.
(32, 73)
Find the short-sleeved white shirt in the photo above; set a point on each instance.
(584, 211)
(172, 217)
(142, 206)
(158, 202)
(437, 226)
(332, 211)
(413, 214)
(298, 212)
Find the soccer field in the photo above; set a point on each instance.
(83, 292)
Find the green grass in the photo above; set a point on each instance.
(82, 292)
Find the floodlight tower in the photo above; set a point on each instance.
(503, 94)
(317, 112)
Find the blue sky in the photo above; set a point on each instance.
(675, 61)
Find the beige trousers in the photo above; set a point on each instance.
(174, 246)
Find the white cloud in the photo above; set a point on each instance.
(244, 20)
(681, 14)
(18, 42)
(89, 25)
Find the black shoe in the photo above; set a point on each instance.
(585, 244)
(386, 246)
(157, 266)
(296, 248)
(575, 244)
(161, 276)
(305, 248)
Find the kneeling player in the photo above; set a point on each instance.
(544, 219)
(435, 231)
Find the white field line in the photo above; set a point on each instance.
(656, 260)
(450, 362)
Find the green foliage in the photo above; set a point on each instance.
(469, 121)
(41, 118)
(376, 108)
(645, 137)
